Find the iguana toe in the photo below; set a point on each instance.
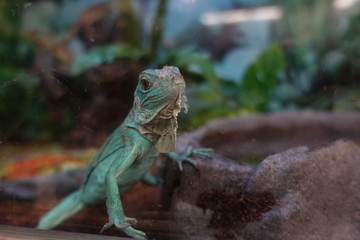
(119, 224)
(204, 152)
(125, 226)
(132, 232)
(127, 221)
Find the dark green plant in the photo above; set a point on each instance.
(24, 114)
(257, 89)
(321, 52)
(256, 92)
(293, 74)
(17, 86)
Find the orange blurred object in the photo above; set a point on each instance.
(40, 165)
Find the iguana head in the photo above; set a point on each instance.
(159, 97)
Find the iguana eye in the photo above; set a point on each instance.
(145, 84)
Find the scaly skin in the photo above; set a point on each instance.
(127, 155)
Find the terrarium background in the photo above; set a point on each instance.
(68, 68)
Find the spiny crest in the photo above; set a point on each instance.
(183, 104)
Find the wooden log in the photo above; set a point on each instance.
(23, 233)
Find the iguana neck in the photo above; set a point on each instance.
(161, 132)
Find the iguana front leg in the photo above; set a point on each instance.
(152, 180)
(185, 157)
(113, 203)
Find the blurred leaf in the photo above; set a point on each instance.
(17, 102)
(347, 99)
(23, 112)
(127, 23)
(15, 52)
(193, 61)
(105, 54)
(157, 28)
(205, 105)
(261, 78)
(207, 94)
(39, 17)
(10, 17)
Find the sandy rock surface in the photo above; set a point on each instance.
(301, 193)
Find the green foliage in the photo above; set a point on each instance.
(260, 80)
(129, 46)
(16, 85)
(315, 52)
(24, 114)
(23, 111)
(203, 107)
(192, 63)
(203, 85)
(10, 13)
(105, 54)
(220, 98)
(321, 54)
(347, 100)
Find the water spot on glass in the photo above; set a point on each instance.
(27, 5)
(87, 128)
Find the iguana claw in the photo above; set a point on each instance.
(185, 157)
(127, 222)
(132, 232)
(125, 226)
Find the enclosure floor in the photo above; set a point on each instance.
(22, 233)
(157, 224)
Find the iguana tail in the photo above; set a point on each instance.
(68, 207)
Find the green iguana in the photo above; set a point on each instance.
(127, 155)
